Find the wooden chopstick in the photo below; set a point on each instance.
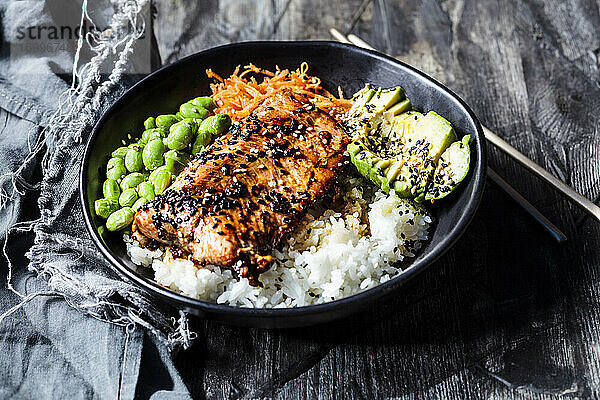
(585, 204)
(339, 36)
(531, 210)
(501, 183)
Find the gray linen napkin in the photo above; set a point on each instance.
(55, 341)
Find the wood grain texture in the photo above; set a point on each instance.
(506, 313)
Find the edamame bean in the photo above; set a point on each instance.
(160, 179)
(146, 190)
(166, 120)
(150, 134)
(175, 161)
(188, 110)
(204, 102)
(152, 155)
(111, 190)
(154, 133)
(180, 135)
(128, 197)
(132, 180)
(216, 125)
(133, 159)
(202, 139)
(178, 115)
(150, 123)
(105, 207)
(194, 122)
(120, 152)
(138, 203)
(120, 219)
(115, 168)
(164, 132)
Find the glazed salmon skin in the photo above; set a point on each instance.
(236, 200)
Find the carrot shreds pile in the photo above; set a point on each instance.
(239, 94)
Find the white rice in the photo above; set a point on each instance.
(331, 255)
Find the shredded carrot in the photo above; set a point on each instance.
(238, 95)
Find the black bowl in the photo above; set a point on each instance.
(337, 65)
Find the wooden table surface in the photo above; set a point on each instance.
(507, 313)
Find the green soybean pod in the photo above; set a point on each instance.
(120, 152)
(128, 197)
(216, 125)
(146, 190)
(175, 161)
(138, 203)
(152, 156)
(132, 180)
(188, 110)
(150, 123)
(204, 102)
(180, 135)
(120, 219)
(166, 120)
(133, 159)
(105, 207)
(160, 179)
(115, 168)
(111, 190)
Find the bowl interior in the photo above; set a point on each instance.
(338, 66)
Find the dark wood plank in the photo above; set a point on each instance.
(506, 313)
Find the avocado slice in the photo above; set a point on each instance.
(384, 99)
(452, 168)
(362, 98)
(398, 129)
(382, 172)
(398, 108)
(366, 114)
(436, 131)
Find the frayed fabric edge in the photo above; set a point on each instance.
(82, 102)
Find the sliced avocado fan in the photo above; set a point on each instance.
(399, 149)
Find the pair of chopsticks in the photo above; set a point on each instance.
(536, 169)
